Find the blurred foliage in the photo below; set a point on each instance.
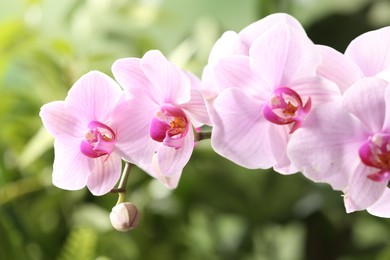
(220, 210)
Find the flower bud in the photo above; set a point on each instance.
(124, 216)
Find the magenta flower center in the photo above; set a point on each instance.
(285, 107)
(99, 140)
(169, 126)
(376, 153)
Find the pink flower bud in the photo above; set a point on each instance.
(124, 216)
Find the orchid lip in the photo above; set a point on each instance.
(286, 107)
(98, 141)
(169, 126)
(375, 152)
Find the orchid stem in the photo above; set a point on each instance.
(121, 190)
(199, 136)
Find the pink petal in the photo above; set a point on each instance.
(280, 137)
(283, 55)
(338, 68)
(169, 81)
(93, 97)
(105, 174)
(208, 87)
(320, 90)
(209, 90)
(365, 99)
(58, 122)
(132, 122)
(381, 208)
(153, 170)
(129, 74)
(325, 148)
(71, 168)
(254, 30)
(240, 131)
(171, 160)
(196, 107)
(384, 74)
(171, 181)
(362, 192)
(229, 44)
(235, 72)
(371, 51)
(386, 124)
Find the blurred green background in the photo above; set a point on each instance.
(219, 211)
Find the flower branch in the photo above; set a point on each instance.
(199, 136)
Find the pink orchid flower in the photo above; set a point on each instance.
(168, 105)
(347, 144)
(89, 131)
(266, 84)
(366, 56)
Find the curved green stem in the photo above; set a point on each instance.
(121, 190)
(199, 136)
